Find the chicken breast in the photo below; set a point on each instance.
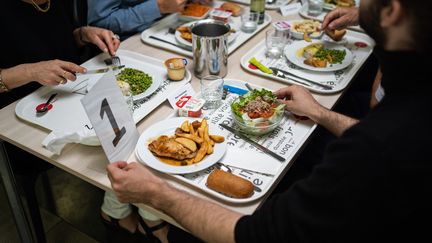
(166, 146)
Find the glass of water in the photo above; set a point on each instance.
(275, 43)
(249, 21)
(315, 7)
(212, 91)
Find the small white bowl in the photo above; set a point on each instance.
(300, 35)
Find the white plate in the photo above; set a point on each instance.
(167, 127)
(157, 79)
(188, 44)
(291, 54)
(330, 7)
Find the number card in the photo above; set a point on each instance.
(111, 118)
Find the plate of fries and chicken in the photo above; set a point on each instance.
(181, 145)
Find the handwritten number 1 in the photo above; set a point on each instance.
(105, 108)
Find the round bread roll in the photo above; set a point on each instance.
(234, 8)
(229, 184)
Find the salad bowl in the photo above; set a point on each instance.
(257, 112)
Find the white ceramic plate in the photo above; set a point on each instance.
(291, 54)
(157, 79)
(167, 127)
(330, 7)
(188, 44)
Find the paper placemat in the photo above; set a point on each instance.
(337, 79)
(285, 140)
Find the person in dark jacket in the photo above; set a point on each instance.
(374, 182)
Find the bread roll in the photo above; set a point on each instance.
(229, 184)
(234, 8)
(336, 35)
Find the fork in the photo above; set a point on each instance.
(113, 60)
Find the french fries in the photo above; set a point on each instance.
(195, 137)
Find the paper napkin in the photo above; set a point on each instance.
(56, 140)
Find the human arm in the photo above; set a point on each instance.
(105, 39)
(341, 18)
(51, 72)
(130, 19)
(208, 221)
(300, 102)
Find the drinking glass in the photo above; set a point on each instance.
(315, 7)
(249, 21)
(212, 91)
(275, 43)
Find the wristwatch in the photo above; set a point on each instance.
(3, 87)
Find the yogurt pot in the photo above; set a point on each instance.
(176, 68)
(220, 14)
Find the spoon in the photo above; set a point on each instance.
(228, 169)
(45, 107)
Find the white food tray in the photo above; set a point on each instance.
(337, 79)
(286, 140)
(160, 30)
(68, 114)
(274, 6)
(303, 12)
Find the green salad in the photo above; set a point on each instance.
(138, 81)
(258, 108)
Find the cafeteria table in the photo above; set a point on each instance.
(89, 163)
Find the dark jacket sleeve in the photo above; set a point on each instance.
(334, 204)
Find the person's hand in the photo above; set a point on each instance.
(133, 182)
(341, 18)
(171, 6)
(105, 39)
(299, 101)
(52, 72)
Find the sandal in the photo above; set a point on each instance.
(116, 233)
(149, 230)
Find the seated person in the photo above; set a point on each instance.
(41, 45)
(127, 17)
(374, 181)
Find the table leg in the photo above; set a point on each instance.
(15, 202)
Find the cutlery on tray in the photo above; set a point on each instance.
(227, 168)
(102, 70)
(45, 107)
(255, 144)
(168, 42)
(286, 75)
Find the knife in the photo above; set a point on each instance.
(285, 75)
(168, 42)
(103, 70)
(255, 144)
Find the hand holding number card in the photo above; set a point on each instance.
(110, 116)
